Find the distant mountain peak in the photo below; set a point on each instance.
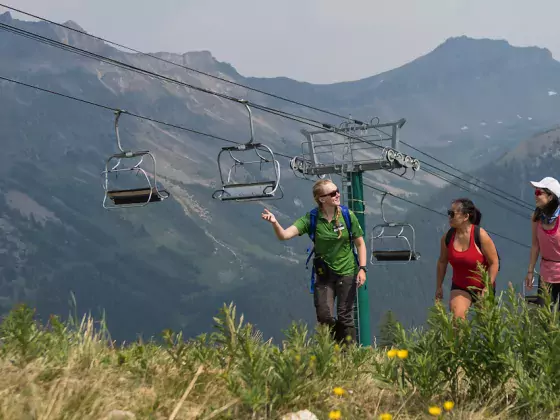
(486, 47)
(205, 61)
(467, 40)
(73, 25)
(6, 17)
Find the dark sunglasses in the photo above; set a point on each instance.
(331, 194)
(540, 192)
(452, 213)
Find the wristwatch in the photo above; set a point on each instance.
(363, 267)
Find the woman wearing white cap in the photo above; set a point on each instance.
(546, 236)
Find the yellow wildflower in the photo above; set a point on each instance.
(336, 347)
(313, 358)
(391, 353)
(448, 405)
(297, 357)
(335, 415)
(402, 354)
(338, 391)
(385, 416)
(434, 411)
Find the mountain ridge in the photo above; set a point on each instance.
(173, 263)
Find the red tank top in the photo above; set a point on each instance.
(464, 263)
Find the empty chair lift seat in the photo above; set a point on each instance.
(257, 190)
(397, 255)
(137, 196)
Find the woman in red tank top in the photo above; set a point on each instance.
(463, 254)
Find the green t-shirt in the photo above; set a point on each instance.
(335, 251)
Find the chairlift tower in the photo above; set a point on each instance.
(348, 151)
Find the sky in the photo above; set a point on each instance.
(317, 41)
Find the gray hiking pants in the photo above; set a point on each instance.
(328, 287)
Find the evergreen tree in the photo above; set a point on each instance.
(387, 329)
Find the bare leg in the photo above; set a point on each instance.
(459, 303)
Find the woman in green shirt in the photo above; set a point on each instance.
(337, 273)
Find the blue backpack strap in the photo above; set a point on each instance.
(346, 215)
(313, 214)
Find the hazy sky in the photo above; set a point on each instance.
(319, 41)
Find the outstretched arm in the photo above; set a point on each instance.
(281, 233)
(285, 234)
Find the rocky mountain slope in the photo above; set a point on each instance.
(172, 264)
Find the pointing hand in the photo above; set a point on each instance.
(268, 216)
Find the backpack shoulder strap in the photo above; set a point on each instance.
(477, 242)
(348, 220)
(313, 214)
(449, 235)
(346, 215)
(477, 236)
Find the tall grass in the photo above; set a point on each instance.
(502, 362)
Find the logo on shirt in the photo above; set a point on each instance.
(338, 227)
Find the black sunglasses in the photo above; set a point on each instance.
(451, 213)
(331, 194)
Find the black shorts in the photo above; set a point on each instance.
(472, 291)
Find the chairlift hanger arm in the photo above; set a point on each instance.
(246, 103)
(118, 113)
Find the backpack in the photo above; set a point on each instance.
(313, 215)
(476, 240)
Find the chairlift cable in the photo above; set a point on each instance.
(117, 63)
(219, 138)
(142, 117)
(521, 204)
(284, 114)
(177, 64)
(465, 173)
(132, 114)
(266, 109)
(441, 213)
(501, 205)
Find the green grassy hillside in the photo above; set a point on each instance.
(501, 363)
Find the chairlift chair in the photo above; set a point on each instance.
(248, 191)
(380, 256)
(132, 197)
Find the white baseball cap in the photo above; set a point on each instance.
(550, 184)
